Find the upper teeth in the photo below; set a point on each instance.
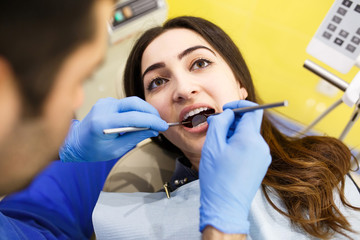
(195, 111)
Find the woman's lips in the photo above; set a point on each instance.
(200, 128)
(197, 117)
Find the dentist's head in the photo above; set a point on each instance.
(47, 50)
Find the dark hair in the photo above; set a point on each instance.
(304, 171)
(36, 37)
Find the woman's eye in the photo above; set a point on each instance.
(200, 63)
(157, 82)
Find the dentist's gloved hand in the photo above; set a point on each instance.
(234, 161)
(86, 141)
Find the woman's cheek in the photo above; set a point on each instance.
(163, 109)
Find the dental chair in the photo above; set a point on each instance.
(144, 169)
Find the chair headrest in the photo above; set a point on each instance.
(144, 169)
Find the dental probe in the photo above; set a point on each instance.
(198, 119)
(135, 129)
(237, 110)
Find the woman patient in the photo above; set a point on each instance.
(190, 66)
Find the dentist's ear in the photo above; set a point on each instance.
(10, 99)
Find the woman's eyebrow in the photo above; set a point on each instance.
(180, 56)
(153, 67)
(191, 49)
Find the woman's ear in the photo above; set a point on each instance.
(243, 93)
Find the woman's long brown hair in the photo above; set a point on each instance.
(305, 172)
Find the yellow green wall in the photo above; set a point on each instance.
(273, 36)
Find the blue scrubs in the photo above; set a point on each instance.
(57, 205)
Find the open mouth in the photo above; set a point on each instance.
(197, 116)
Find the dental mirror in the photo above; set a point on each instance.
(198, 119)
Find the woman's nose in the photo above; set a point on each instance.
(185, 90)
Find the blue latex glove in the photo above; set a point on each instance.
(234, 161)
(86, 141)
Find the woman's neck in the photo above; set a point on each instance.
(194, 159)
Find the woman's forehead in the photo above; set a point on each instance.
(169, 44)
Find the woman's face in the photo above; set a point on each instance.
(183, 75)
